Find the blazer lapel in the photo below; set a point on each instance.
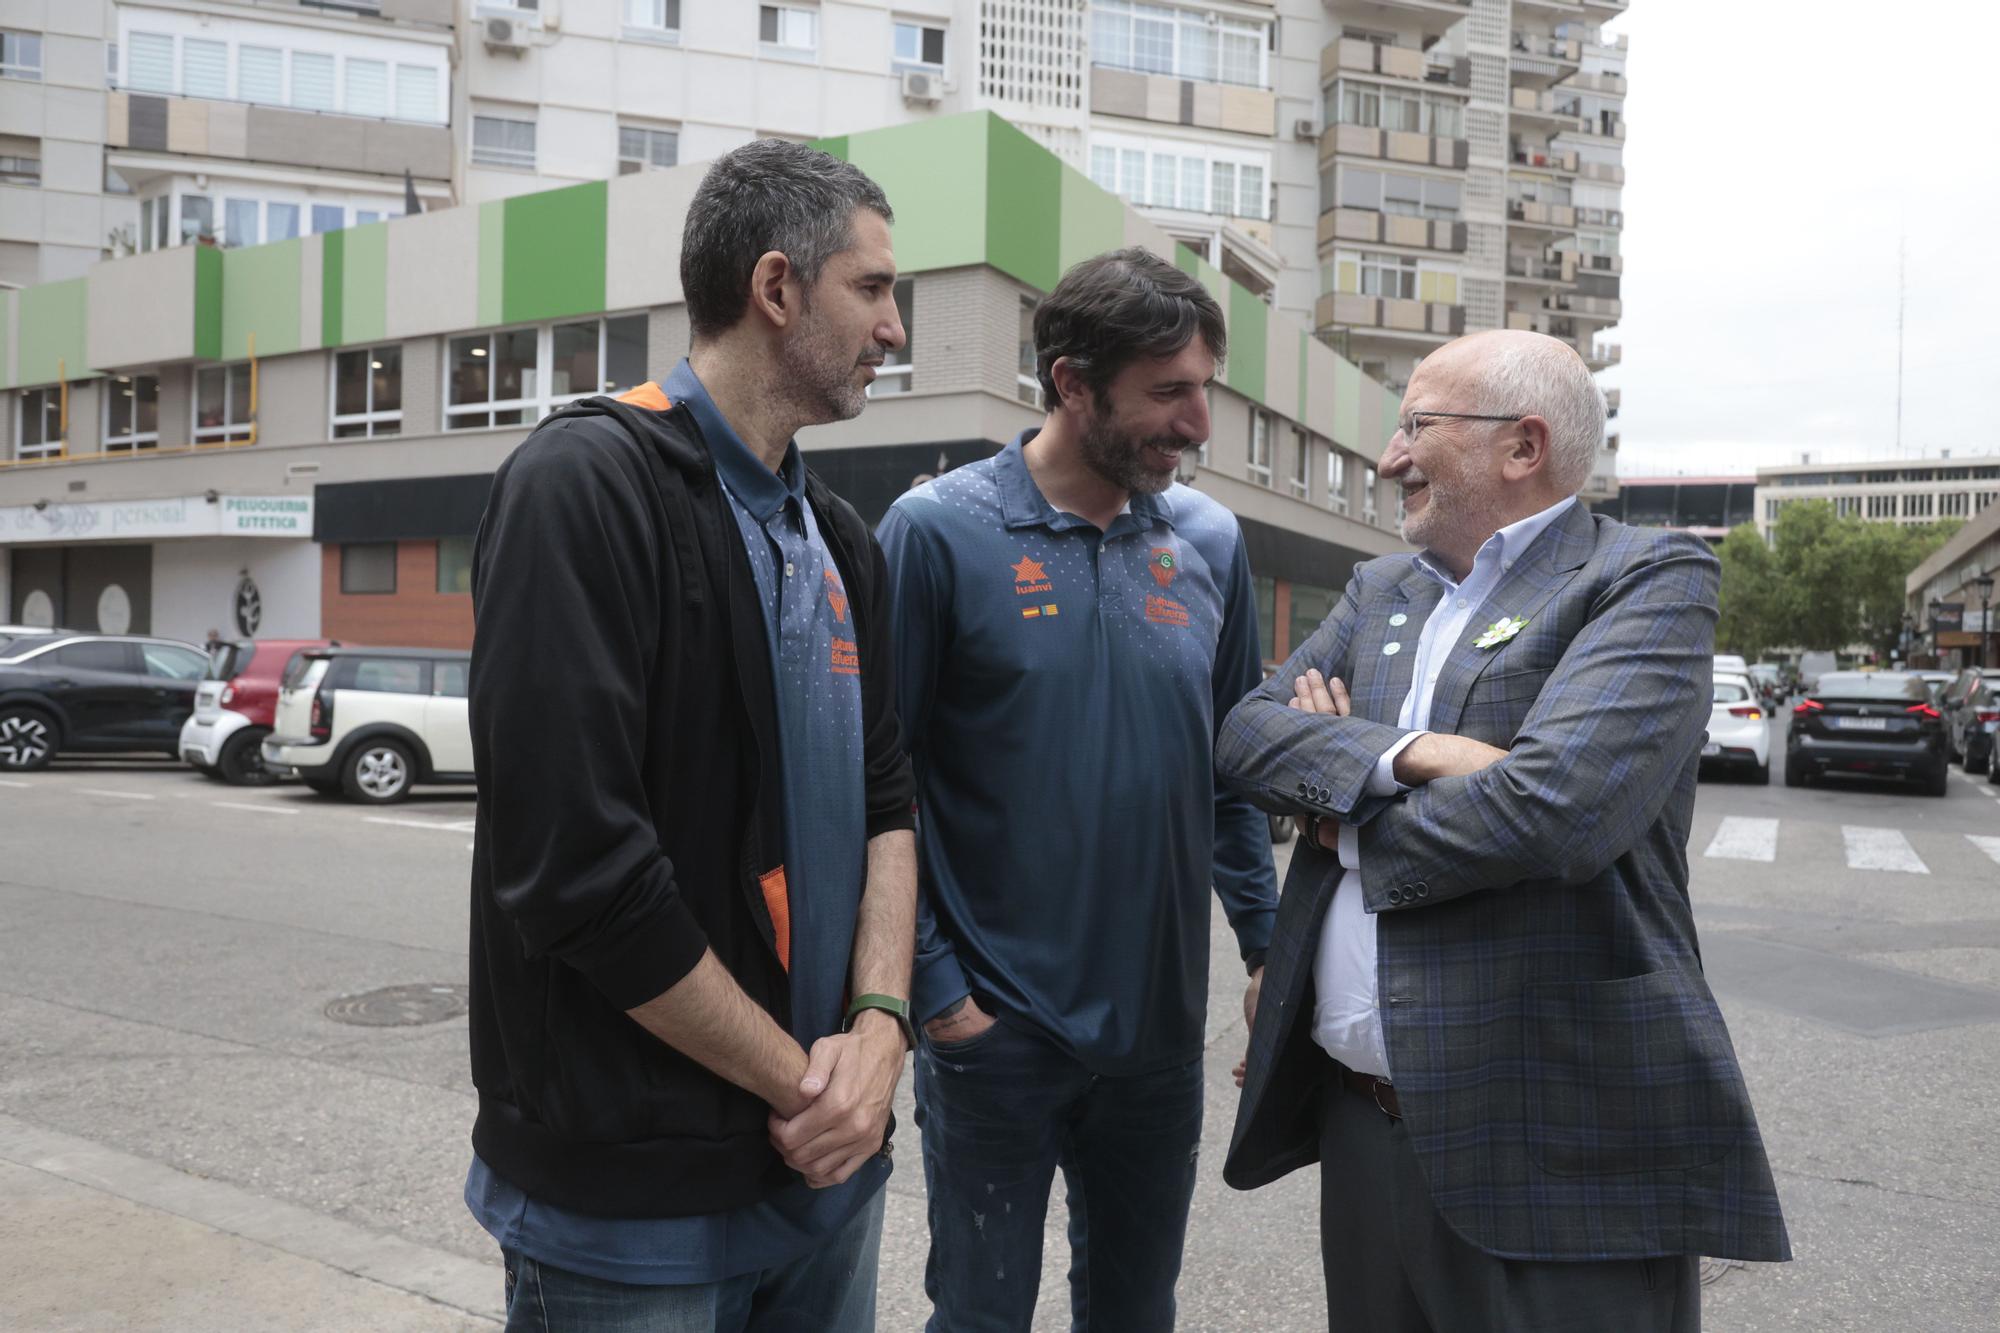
(1549, 563)
(1385, 652)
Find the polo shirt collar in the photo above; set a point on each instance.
(1022, 504)
(760, 491)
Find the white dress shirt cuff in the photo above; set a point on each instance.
(1382, 782)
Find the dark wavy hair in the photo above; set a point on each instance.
(768, 195)
(1109, 311)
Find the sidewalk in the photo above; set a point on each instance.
(168, 1250)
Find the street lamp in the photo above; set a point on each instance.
(1984, 583)
(1937, 609)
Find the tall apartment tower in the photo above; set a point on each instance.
(1471, 167)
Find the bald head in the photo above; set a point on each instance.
(1512, 372)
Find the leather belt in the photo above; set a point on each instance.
(1377, 1090)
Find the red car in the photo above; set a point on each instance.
(236, 703)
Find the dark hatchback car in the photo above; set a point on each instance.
(94, 694)
(1874, 724)
(1971, 704)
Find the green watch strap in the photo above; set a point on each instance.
(888, 1004)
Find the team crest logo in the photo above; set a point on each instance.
(836, 597)
(1161, 562)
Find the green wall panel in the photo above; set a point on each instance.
(260, 295)
(1249, 332)
(208, 303)
(1347, 386)
(1023, 233)
(834, 147)
(332, 288)
(1186, 260)
(934, 174)
(1093, 220)
(364, 284)
(7, 302)
(492, 259)
(552, 257)
(52, 333)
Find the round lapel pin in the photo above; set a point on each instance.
(1399, 619)
(1391, 649)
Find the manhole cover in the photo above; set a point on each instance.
(398, 1006)
(1714, 1270)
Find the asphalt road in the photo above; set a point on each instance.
(170, 948)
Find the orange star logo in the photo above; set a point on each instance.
(1028, 571)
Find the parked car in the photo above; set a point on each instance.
(1969, 723)
(1939, 681)
(374, 722)
(1739, 733)
(9, 634)
(69, 693)
(1962, 687)
(1770, 686)
(237, 703)
(1812, 666)
(1729, 664)
(1875, 723)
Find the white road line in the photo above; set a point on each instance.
(455, 826)
(1991, 846)
(105, 791)
(254, 809)
(1881, 849)
(1744, 839)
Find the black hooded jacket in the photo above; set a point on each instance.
(624, 733)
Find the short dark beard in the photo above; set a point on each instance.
(817, 374)
(1114, 455)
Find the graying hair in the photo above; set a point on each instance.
(767, 195)
(1545, 377)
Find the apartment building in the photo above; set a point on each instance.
(1470, 171)
(1949, 606)
(329, 407)
(1909, 491)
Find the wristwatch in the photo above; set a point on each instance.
(888, 1004)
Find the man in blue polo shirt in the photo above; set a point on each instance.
(1070, 628)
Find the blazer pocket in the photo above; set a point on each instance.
(1512, 686)
(1626, 1076)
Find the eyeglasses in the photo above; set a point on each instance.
(1414, 422)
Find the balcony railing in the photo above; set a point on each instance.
(1393, 146)
(1539, 270)
(201, 127)
(1611, 85)
(1545, 159)
(1596, 308)
(1368, 227)
(1529, 213)
(1562, 50)
(1606, 354)
(1399, 316)
(1610, 172)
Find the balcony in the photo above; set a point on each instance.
(1527, 213)
(1596, 309)
(1349, 55)
(1542, 107)
(1551, 272)
(1366, 227)
(1608, 172)
(1431, 18)
(1603, 354)
(1393, 316)
(1554, 162)
(1170, 100)
(1391, 146)
(1596, 263)
(1605, 85)
(323, 140)
(1541, 61)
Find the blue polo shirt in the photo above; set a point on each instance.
(1060, 688)
(810, 629)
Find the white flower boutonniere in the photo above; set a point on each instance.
(1500, 631)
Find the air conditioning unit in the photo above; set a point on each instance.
(503, 34)
(1304, 129)
(922, 86)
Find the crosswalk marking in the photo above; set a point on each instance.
(1881, 849)
(1744, 839)
(106, 791)
(1991, 846)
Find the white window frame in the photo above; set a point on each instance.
(1027, 384)
(789, 14)
(1123, 154)
(666, 29)
(24, 451)
(896, 375)
(537, 403)
(135, 440)
(1336, 479)
(1370, 483)
(20, 69)
(1107, 15)
(1262, 428)
(19, 167)
(1370, 99)
(228, 432)
(507, 159)
(1299, 480)
(921, 26)
(646, 163)
(375, 423)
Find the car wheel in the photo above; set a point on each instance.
(323, 786)
(1795, 776)
(1761, 776)
(1938, 783)
(27, 739)
(206, 770)
(379, 772)
(243, 760)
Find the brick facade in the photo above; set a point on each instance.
(416, 615)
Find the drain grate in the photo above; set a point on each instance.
(399, 1006)
(1714, 1270)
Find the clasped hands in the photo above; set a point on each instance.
(840, 1113)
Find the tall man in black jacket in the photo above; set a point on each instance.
(693, 885)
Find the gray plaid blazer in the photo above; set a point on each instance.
(1563, 1070)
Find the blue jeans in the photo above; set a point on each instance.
(831, 1290)
(999, 1114)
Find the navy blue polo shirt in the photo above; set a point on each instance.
(1060, 688)
(810, 629)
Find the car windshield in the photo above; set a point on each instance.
(227, 660)
(1729, 692)
(304, 672)
(1870, 685)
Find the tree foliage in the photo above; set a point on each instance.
(1825, 581)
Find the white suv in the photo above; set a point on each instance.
(374, 722)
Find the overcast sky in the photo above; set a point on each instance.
(1776, 151)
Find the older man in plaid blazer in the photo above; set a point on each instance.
(1484, 1011)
